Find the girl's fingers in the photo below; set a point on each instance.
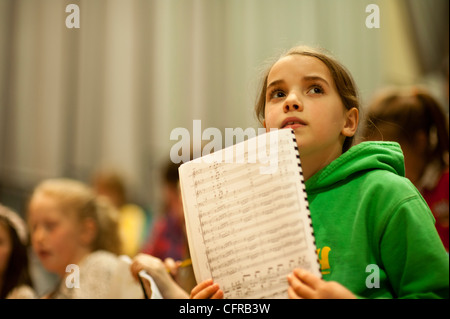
(299, 289)
(207, 290)
(292, 294)
(207, 293)
(201, 286)
(135, 268)
(218, 294)
(172, 265)
(307, 278)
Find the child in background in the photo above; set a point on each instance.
(71, 227)
(414, 119)
(168, 236)
(168, 241)
(15, 281)
(365, 213)
(132, 218)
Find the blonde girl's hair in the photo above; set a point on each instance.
(76, 198)
(343, 80)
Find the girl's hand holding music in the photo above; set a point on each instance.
(305, 285)
(207, 290)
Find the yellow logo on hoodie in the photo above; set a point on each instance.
(322, 253)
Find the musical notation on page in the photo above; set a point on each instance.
(248, 230)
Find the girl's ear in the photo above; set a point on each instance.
(88, 231)
(351, 122)
(265, 126)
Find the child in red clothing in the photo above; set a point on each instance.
(168, 236)
(436, 196)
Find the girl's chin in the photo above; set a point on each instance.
(52, 268)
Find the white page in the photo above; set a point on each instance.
(247, 230)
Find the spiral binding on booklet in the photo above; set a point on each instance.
(294, 139)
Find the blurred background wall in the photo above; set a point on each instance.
(109, 93)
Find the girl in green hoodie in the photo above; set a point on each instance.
(375, 234)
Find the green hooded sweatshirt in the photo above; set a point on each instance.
(374, 232)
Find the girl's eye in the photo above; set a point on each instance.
(277, 94)
(316, 89)
(50, 225)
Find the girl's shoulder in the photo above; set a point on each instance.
(95, 275)
(390, 186)
(100, 259)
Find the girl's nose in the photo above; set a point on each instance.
(292, 103)
(37, 235)
(291, 107)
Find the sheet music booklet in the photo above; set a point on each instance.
(247, 216)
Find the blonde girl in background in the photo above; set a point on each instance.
(75, 234)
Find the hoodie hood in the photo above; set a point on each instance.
(360, 158)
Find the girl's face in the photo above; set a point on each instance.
(56, 236)
(5, 248)
(301, 95)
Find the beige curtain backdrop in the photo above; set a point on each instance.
(110, 92)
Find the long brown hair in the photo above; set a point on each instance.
(16, 272)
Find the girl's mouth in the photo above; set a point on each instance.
(42, 254)
(292, 123)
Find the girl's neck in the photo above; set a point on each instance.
(312, 163)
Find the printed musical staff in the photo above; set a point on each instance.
(248, 230)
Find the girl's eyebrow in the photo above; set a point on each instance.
(274, 83)
(307, 78)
